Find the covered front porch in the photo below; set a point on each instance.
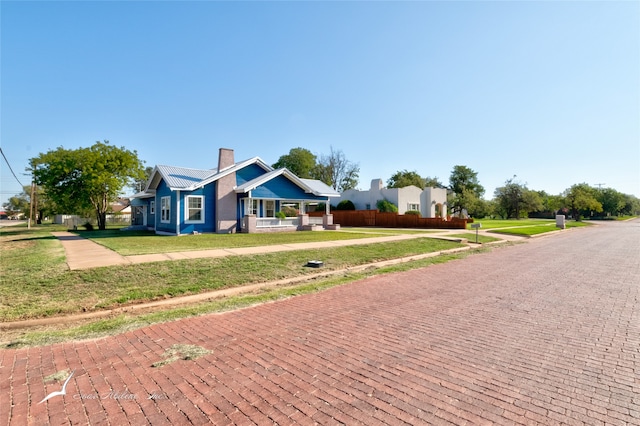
(269, 215)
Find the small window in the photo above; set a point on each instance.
(165, 209)
(270, 208)
(415, 207)
(254, 206)
(195, 209)
(152, 207)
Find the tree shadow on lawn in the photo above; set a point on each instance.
(34, 238)
(114, 233)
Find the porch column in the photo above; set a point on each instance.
(327, 221)
(177, 212)
(250, 224)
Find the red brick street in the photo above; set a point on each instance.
(545, 332)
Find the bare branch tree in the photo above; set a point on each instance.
(335, 170)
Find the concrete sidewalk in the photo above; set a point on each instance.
(85, 254)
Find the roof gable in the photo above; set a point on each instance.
(310, 186)
(178, 177)
(188, 179)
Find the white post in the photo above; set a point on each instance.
(177, 212)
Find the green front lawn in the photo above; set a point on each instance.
(507, 223)
(36, 282)
(538, 229)
(129, 243)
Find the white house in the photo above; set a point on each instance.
(430, 202)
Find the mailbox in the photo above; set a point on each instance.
(476, 226)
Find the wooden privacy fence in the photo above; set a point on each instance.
(392, 220)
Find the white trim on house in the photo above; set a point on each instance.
(189, 179)
(309, 186)
(165, 209)
(177, 212)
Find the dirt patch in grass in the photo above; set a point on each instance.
(181, 352)
(10, 245)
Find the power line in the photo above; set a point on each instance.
(7, 161)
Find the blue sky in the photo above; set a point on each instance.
(547, 91)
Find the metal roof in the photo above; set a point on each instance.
(182, 177)
(320, 188)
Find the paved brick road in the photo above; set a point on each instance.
(546, 332)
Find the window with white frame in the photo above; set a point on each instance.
(270, 208)
(254, 207)
(152, 207)
(415, 207)
(195, 209)
(165, 209)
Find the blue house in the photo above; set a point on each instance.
(236, 197)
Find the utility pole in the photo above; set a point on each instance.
(31, 203)
(35, 204)
(599, 185)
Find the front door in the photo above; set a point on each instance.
(140, 216)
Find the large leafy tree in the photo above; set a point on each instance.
(631, 205)
(404, 178)
(466, 190)
(551, 203)
(581, 199)
(333, 169)
(300, 161)
(613, 202)
(433, 182)
(515, 200)
(86, 178)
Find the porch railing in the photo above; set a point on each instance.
(263, 222)
(315, 220)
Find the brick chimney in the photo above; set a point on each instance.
(226, 199)
(225, 159)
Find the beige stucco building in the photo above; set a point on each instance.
(430, 202)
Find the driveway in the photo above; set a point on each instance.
(546, 332)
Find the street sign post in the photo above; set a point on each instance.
(476, 226)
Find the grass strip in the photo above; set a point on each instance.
(471, 237)
(125, 322)
(536, 230)
(129, 243)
